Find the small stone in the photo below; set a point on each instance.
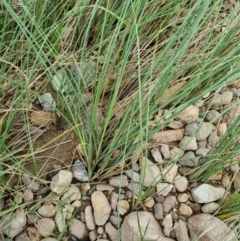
(222, 129)
(213, 139)
(206, 193)
(164, 189)
(225, 180)
(100, 230)
(61, 181)
(208, 228)
(89, 219)
(191, 129)
(176, 153)
(45, 226)
(169, 203)
(234, 168)
(115, 220)
(188, 143)
(160, 199)
(104, 187)
(60, 220)
(185, 170)
(22, 237)
(181, 183)
(12, 225)
(123, 206)
(47, 102)
(151, 173)
(189, 115)
(202, 151)
(213, 116)
(18, 197)
(202, 144)
(167, 224)
(93, 235)
(47, 211)
(210, 207)
(72, 194)
(236, 182)
(175, 124)
(111, 231)
(169, 173)
(135, 187)
(129, 194)
(168, 136)
(119, 181)
(189, 159)
(33, 233)
(158, 211)
(165, 151)
(231, 115)
(182, 197)
(78, 229)
(185, 210)
(113, 200)
(101, 207)
(205, 129)
(156, 155)
(77, 204)
(80, 171)
(133, 175)
(149, 202)
(28, 196)
(181, 232)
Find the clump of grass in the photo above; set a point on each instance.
(149, 55)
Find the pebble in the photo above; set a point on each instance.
(104, 187)
(111, 231)
(169, 173)
(140, 220)
(80, 171)
(119, 181)
(22, 237)
(134, 187)
(189, 159)
(113, 200)
(190, 129)
(202, 151)
(60, 220)
(157, 155)
(182, 197)
(61, 181)
(45, 226)
(181, 232)
(164, 188)
(213, 116)
(205, 129)
(165, 151)
(133, 175)
(47, 211)
(101, 207)
(185, 210)
(72, 194)
(189, 115)
(28, 196)
(206, 193)
(168, 136)
(225, 180)
(213, 139)
(231, 115)
(202, 144)
(78, 229)
(169, 203)
(115, 220)
(209, 228)
(221, 129)
(123, 207)
(18, 197)
(210, 207)
(93, 235)
(34, 186)
(158, 211)
(188, 143)
(47, 102)
(236, 182)
(149, 202)
(176, 153)
(167, 224)
(181, 183)
(12, 225)
(89, 219)
(175, 124)
(150, 173)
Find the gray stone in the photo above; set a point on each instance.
(213, 139)
(34, 186)
(45, 226)
(140, 220)
(101, 208)
(176, 153)
(202, 144)
(119, 181)
(47, 102)
(156, 156)
(115, 220)
(72, 194)
(22, 237)
(185, 170)
(28, 196)
(191, 129)
(61, 181)
(135, 187)
(205, 129)
(210, 207)
(80, 171)
(169, 173)
(205, 227)
(113, 200)
(164, 188)
(165, 151)
(60, 220)
(189, 115)
(189, 159)
(168, 136)
(181, 231)
(181, 183)
(206, 193)
(47, 211)
(89, 219)
(150, 173)
(133, 175)
(13, 224)
(231, 115)
(213, 116)
(188, 143)
(78, 229)
(111, 231)
(169, 203)
(202, 151)
(158, 211)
